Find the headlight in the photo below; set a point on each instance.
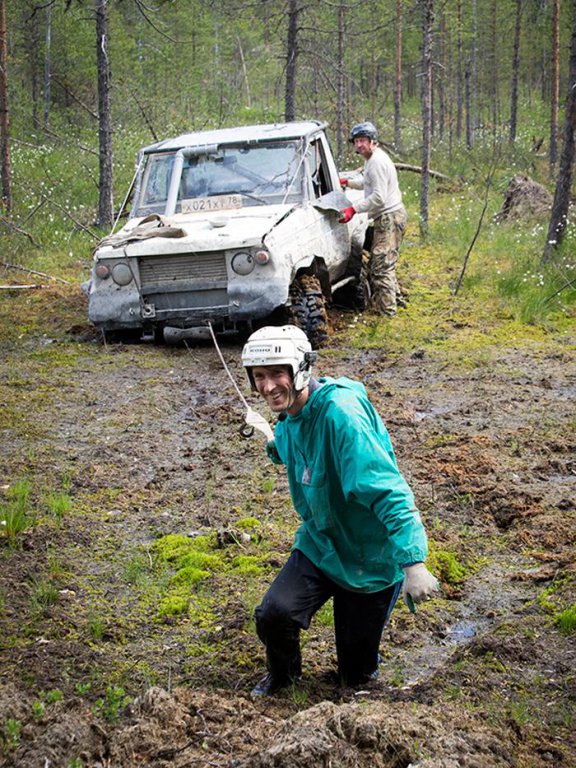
(262, 257)
(122, 274)
(243, 263)
(102, 271)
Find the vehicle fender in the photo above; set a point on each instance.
(114, 309)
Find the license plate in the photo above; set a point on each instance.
(209, 204)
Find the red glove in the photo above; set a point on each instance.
(347, 214)
(343, 182)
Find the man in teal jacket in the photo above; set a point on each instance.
(361, 538)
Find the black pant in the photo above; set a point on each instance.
(295, 595)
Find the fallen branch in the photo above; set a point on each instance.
(34, 211)
(73, 96)
(33, 272)
(418, 169)
(63, 141)
(559, 291)
(20, 231)
(45, 199)
(69, 215)
(403, 167)
(20, 287)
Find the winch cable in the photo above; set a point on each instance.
(252, 420)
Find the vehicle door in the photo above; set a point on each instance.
(331, 239)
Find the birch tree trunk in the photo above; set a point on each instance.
(47, 65)
(515, 72)
(4, 114)
(459, 73)
(472, 80)
(561, 203)
(427, 22)
(340, 90)
(398, 79)
(555, 90)
(105, 209)
(291, 62)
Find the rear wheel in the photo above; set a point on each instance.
(308, 309)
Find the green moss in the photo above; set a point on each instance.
(248, 565)
(188, 576)
(446, 566)
(173, 604)
(193, 563)
(248, 524)
(437, 441)
(201, 614)
(204, 560)
(174, 546)
(550, 597)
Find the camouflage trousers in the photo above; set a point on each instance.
(388, 231)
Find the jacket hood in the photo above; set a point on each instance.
(318, 397)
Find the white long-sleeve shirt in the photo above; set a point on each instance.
(379, 181)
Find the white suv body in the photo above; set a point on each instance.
(224, 225)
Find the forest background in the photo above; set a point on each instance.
(478, 90)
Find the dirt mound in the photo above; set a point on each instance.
(184, 728)
(524, 199)
(382, 735)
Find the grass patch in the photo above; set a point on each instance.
(16, 514)
(566, 621)
(58, 504)
(43, 594)
(506, 298)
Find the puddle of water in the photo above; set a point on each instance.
(462, 631)
(440, 410)
(489, 597)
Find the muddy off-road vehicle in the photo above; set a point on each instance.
(235, 227)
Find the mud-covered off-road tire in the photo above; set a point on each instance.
(307, 309)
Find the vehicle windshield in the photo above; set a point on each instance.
(233, 177)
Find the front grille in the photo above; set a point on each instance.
(182, 267)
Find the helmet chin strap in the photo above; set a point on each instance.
(294, 395)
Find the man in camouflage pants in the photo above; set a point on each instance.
(383, 204)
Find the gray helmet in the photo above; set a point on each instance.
(363, 129)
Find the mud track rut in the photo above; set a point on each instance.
(491, 464)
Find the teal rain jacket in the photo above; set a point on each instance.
(359, 522)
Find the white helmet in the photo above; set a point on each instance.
(283, 345)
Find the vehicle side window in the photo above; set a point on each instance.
(156, 181)
(318, 170)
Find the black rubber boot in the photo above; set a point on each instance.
(269, 685)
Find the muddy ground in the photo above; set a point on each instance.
(143, 441)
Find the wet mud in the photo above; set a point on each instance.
(146, 441)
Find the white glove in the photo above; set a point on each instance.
(419, 585)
